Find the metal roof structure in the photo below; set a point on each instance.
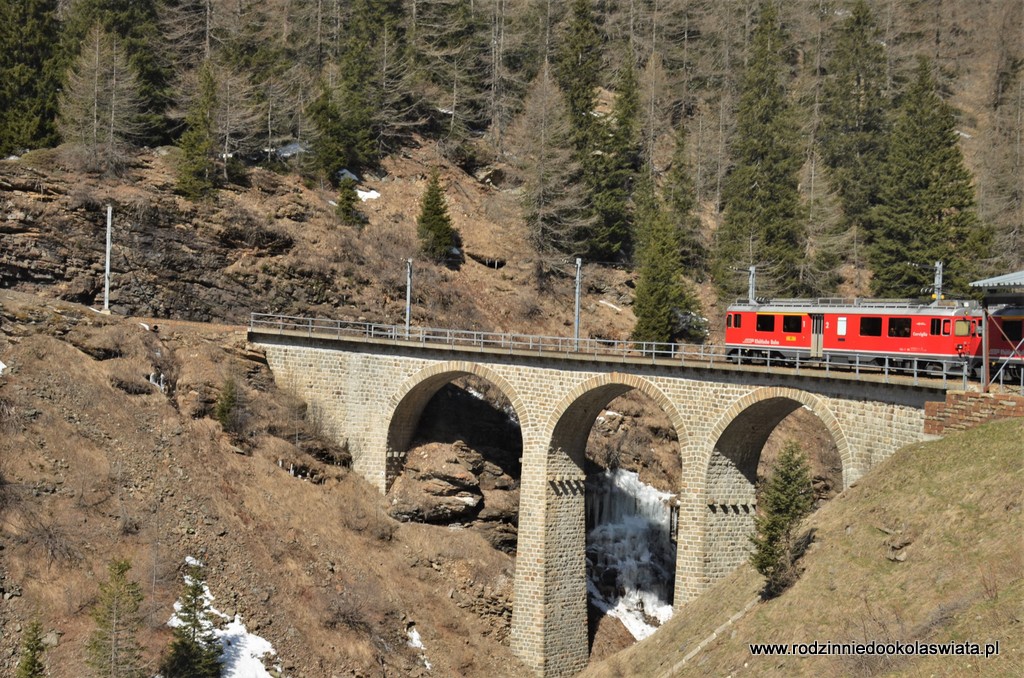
(1002, 282)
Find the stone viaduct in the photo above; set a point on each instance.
(370, 393)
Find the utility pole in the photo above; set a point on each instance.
(752, 285)
(576, 323)
(408, 295)
(938, 282)
(106, 270)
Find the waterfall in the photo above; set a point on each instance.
(630, 554)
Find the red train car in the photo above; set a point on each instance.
(898, 334)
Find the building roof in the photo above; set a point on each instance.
(1003, 282)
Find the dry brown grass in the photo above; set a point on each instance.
(958, 501)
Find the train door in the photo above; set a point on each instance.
(817, 334)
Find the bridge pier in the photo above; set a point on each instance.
(370, 394)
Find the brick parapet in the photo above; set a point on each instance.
(963, 410)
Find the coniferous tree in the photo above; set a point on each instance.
(554, 201)
(681, 200)
(785, 500)
(113, 651)
(854, 124)
(198, 146)
(578, 73)
(613, 170)
(135, 26)
(762, 224)
(30, 665)
(348, 203)
(666, 308)
(194, 651)
(100, 106)
(29, 81)
(926, 210)
(434, 227)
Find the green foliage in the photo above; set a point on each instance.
(226, 409)
(348, 203)
(194, 651)
(29, 76)
(578, 69)
(31, 663)
(664, 305)
(343, 131)
(681, 199)
(198, 148)
(782, 504)
(926, 210)
(113, 651)
(434, 225)
(763, 224)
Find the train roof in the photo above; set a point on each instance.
(856, 306)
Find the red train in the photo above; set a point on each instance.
(902, 335)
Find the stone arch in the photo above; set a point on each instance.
(563, 531)
(406, 405)
(728, 470)
(573, 417)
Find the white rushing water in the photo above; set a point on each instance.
(630, 554)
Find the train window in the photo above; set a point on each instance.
(962, 328)
(728, 320)
(765, 323)
(792, 323)
(870, 326)
(899, 327)
(1014, 330)
(738, 320)
(936, 326)
(945, 327)
(841, 326)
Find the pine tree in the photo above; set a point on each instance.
(854, 125)
(194, 651)
(577, 71)
(29, 79)
(31, 663)
(100, 106)
(113, 651)
(785, 500)
(926, 210)
(198, 147)
(665, 307)
(762, 224)
(434, 226)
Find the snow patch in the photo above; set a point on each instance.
(610, 305)
(367, 195)
(417, 643)
(2, 368)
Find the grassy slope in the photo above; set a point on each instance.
(958, 501)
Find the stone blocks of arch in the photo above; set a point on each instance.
(361, 393)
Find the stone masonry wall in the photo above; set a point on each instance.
(963, 410)
(369, 395)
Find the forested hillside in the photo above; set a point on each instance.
(840, 146)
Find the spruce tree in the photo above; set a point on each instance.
(348, 203)
(666, 309)
(113, 651)
(197, 144)
(763, 224)
(30, 665)
(194, 651)
(926, 211)
(577, 71)
(434, 226)
(785, 500)
(854, 125)
(681, 200)
(29, 75)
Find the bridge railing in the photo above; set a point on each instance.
(952, 374)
